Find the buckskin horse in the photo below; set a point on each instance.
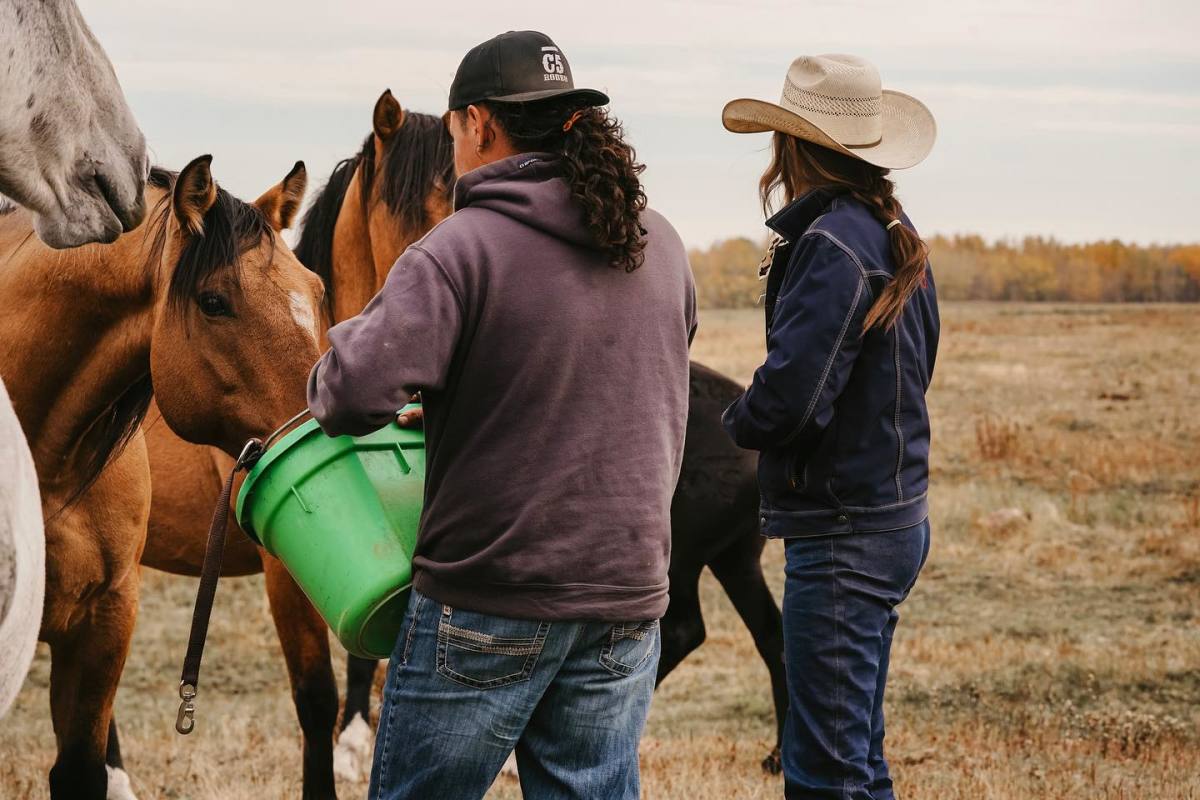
(372, 207)
(209, 306)
(71, 153)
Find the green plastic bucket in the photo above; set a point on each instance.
(341, 513)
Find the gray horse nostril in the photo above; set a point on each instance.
(130, 216)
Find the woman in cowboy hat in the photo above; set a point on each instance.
(837, 411)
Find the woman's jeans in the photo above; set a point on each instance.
(839, 613)
(464, 689)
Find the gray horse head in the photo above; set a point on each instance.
(70, 149)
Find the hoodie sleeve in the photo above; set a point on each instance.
(400, 344)
(816, 335)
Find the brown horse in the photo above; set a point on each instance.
(203, 304)
(187, 479)
(372, 207)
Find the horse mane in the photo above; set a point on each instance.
(418, 160)
(315, 248)
(231, 228)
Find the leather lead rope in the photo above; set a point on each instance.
(210, 571)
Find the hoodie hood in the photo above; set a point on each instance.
(529, 188)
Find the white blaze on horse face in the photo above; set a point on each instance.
(304, 313)
(71, 149)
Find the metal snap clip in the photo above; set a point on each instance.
(185, 719)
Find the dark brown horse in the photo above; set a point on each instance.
(380, 201)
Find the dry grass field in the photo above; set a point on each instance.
(1050, 650)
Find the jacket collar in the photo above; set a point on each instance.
(793, 220)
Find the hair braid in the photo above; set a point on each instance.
(909, 252)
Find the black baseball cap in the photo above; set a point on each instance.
(517, 67)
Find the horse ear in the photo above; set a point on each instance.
(281, 202)
(194, 194)
(388, 117)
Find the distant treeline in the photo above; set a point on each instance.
(968, 268)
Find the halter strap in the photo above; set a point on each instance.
(210, 572)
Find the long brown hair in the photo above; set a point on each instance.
(599, 165)
(798, 166)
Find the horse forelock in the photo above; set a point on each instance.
(231, 228)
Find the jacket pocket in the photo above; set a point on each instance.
(486, 652)
(774, 471)
(797, 473)
(781, 472)
(629, 645)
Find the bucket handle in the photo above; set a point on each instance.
(270, 440)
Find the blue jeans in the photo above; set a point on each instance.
(465, 688)
(839, 614)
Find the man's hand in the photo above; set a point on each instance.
(413, 417)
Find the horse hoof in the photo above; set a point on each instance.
(352, 756)
(773, 763)
(119, 787)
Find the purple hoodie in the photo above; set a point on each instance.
(556, 397)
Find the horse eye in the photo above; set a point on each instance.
(214, 305)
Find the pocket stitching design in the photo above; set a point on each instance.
(530, 647)
(621, 631)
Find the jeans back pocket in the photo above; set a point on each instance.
(486, 652)
(629, 645)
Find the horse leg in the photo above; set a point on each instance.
(119, 787)
(739, 570)
(85, 668)
(682, 627)
(355, 742)
(305, 642)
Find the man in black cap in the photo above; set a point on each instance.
(546, 324)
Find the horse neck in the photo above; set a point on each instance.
(74, 336)
(361, 263)
(353, 277)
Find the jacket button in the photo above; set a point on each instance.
(843, 518)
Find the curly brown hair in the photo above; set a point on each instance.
(798, 166)
(598, 164)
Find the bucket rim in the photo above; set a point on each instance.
(281, 446)
(284, 444)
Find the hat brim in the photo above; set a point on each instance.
(589, 97)
(909, 129)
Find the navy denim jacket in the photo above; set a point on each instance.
(838, 416)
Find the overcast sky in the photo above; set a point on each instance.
(1075, 119)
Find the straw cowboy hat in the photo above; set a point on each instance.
(837, 101)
